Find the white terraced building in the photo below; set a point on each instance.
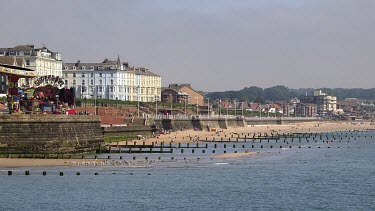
(113, 80)
(42, 60)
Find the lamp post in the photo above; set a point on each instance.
(185, 97)
(95, 93)
(75, 90)
(242, 108)
(156, 106)
(235, 108)
(84, 90)
(197, 105)
(170, 96)
(138, 101)
(208, 107)
(219, 107)
(227, 108)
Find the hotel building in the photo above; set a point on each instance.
(113, 80)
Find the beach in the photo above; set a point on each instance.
(190, 136)
(306, 127)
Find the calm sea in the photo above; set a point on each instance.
(338, 175)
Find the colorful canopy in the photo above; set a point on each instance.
(22, 72)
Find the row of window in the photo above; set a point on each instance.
(92, 68)
(91, 75)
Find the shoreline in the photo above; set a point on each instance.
(190, 136)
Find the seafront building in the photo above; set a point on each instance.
(42, 60)
(325, 104)
(113, 80)
(182, 93)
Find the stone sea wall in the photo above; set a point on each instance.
(49, 134)
(200, 124)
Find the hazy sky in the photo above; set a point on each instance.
(214, 45)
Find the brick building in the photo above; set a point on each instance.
(181, 93)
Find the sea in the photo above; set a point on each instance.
(332, 171)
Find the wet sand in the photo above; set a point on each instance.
(234, 155)
(23, 162)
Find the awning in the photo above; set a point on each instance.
(11, 70)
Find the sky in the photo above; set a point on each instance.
(214, 45)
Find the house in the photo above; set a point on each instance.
(182, 93)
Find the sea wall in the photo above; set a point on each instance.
(199, 124)
(128, 131)
(273, 121)
(219, 123)
(49, 134)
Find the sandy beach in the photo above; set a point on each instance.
(307, 127)
(190, 136)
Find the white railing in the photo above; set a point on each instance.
(229, 117)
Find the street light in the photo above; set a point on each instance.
(170, 97)
(197, 105)
(138, 101)
(208, 107)
(235, 107)
(185, 97)
(156, 106)
(227, 108)
(219, 107)
(242, 108)
(95, 92)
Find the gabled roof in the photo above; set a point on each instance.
(178, 88)
(12, 60)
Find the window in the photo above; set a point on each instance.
(100, 74)
(74, 67)
(111, 75)
(73, 82)
(92, 67)
(66, 67)
(66, 82)
(92, 89)
(74, 75)
(27, 62)
(83, 67)
(100, 89)
(111, 89)
(92, 82)
(83, 82)
(111, 82)
(100, 82)
(83, 75)
(92, 75)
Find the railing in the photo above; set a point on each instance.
(282, 118)
(229, 117)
